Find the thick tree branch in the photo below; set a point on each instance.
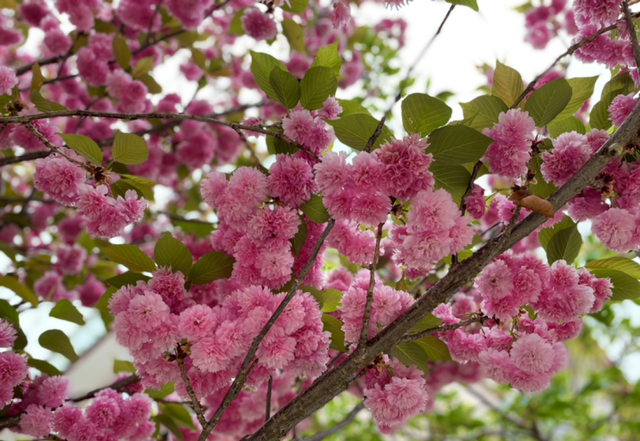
(26, 157)
(333, 382)
(372, 282)
(632, 33)
(154, 115)
(187, 385)
(244, 371)
(341, 425)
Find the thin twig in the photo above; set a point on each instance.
(52, 147)
(570, 51)
(413, 337)
(267, 413)
(153, 18)
(364, 333)
(244, 371)
(187, 385)
(378, 130)
(341, 425)
(118, 385)
(154, 115)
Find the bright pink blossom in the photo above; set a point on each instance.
(8, 334)
(621, 108)
(259, 25)
(8, 80)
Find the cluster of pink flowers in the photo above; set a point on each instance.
(570, 152)
(394, 394)
(258, 238)
(530, 353)
(152, 318)
(621, 108)
(475, 202)
(7, 334)
(360, 191)
(387, 305)
(291, 180)
(51, 285)
(509, 153)
(106, 216)
(302, 127)
(359, 246)
(544, 22)
(434, 230)
(130, 93)
(8, 80)
(258, 25)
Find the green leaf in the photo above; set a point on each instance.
(562, 241)
(547, 102)
(276, 146)
(210, 267)
(623, 264)
(37, 79)
(436, 349)
(179, 414)
(236, 28)
(483, 111)
(295, 35)
(453, 178)
(199, 59)
(297, 6)
(83, 145)
(541, 187)
(173, 253)
(429, 321)
(457, 145)
(130, 149)
(57, 341)
(170, 424)
(624, 286)
(422, 114)
(334, 326)
(571, 124)
(315, 210)
(151, 83)
(123, 366)
(286, 88)
(64, 310)
(121, 51)
(473, 4)
(43, 366)
(261, 67)
(126, 279)
(9, 313)
(200, 230)
(130, 256)
(328, 56)
(103, 307)
(142, 186)
(507, 84)
(351, 107)
(20, 289)
(410, 354)
(44, 105)
(599, 116)
(166, 390)
(297, 241)
(355, 130)
(144, 66)
(582, 90)
(331, 299)
(318, 84)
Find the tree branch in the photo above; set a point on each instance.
(26, 157)
(118, 385)
(187, 385)
(413, 337)
(570, 51)
(372, 282)
(632, 33)
(378, 130)
(243, 373)
(333, 382)
(23, 119)
(341, 425)
(267, 413)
